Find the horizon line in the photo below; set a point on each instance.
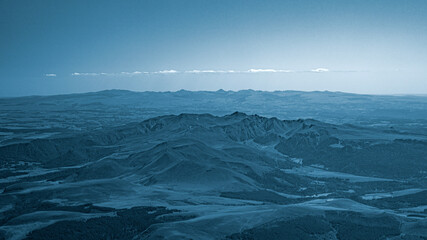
(218, 90)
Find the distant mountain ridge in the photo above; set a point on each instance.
(79, 112)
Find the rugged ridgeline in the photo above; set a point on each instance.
(238, 176)
(36, 117)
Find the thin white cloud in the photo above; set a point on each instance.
(167, 71)
(106, 74)
(131, 73)
(252, 70)
(50, 74)
(87, 74)
(210, 71)
(196, 71)
(201, 71)
(320, 70)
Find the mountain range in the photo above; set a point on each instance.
(213, 165)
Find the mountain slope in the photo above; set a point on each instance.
(43, 116)
(218, 173)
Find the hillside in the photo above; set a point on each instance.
(43, 116)
(215, 175)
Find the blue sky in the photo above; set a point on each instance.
(53, 47)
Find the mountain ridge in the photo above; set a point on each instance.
(221, 176)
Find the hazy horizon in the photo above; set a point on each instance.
(249, 89)
(51, 47)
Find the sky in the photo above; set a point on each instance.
(57, 46)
